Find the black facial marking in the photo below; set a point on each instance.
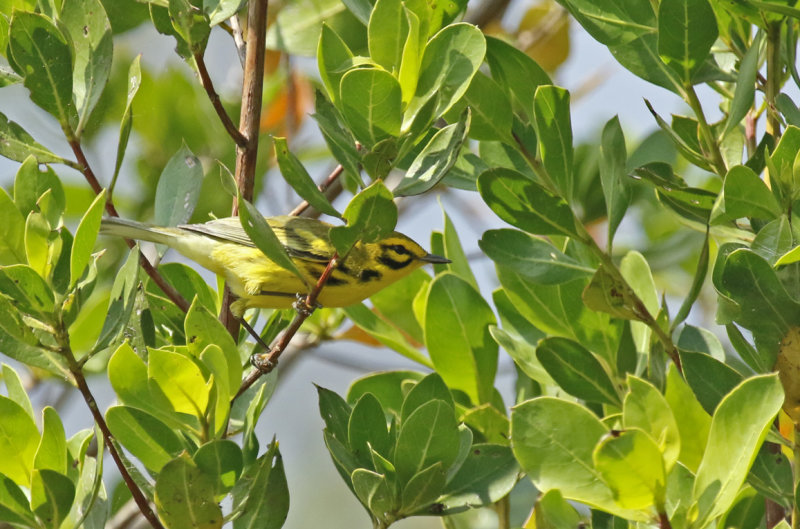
(393, 263)
(396, 248)
(369, 275)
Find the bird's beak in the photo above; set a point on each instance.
(436, 259)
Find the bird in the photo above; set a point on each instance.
(223, 247)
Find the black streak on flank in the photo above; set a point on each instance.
(369, 275)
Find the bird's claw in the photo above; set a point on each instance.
(262, 362)
(303, 308)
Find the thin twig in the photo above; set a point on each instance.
(205, 79)
(83, 387)
(157, 278)
(238, 41)
(266, 362)
(322, 187)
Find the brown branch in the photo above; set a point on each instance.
(266, 362)
(322, 187)
(157, 278)
(83, 387)
(231, 129)
(252, 87)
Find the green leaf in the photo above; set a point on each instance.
(632, 466)
(765, 308)
(558, 310)
(435, 159)
(334, 58)
(180, 380)
(532, 257)
(42, 56)
(553, 441)
(15, 389)
(423, 489)
(686, 31)
(18, 436)
(121, 300)
(189, 23)
(298, 178)
(148, 439)
(259, 231)
(12, 231)
(738, 427)
(384, 332)
(52, 451)
(31, 183)
(693, 423)
(367, 429)
(457, 321)
(178, 188)
(525, 204)
(744, 94)
(340, 141)
(492, 116)
(386, 386)
(576, 370)
(613, 175)
(221, 10)
(27, 291)
(371, 104)
(613, 23)
(429, 388)
(373, 491)
(552, 511)
(744, 194)
(262, 494)
(14, 506)
(554, 135)
(771, 475)
(16, 144)
(488, 473)
(523, 353)
(297, 28)
(709, 378)
(52, 495)
(336, 414)
(222, 460)
(411, 55)
(647, 409)
(85, 237)
(453, 250)
(516, 72)
(203, 329)
(429, 435)
(90, 32)
(451, 58)
(387, 33)
(126, 123)
(184, 496)
(371, 215)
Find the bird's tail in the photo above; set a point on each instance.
(130, 229)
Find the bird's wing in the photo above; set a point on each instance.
(305, 239)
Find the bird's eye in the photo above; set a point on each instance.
(398, 249)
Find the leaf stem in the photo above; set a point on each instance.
(84, 167)
(774, 77)
(205, 79)
(709, 144)
(503, 509)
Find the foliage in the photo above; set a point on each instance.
(620, 405)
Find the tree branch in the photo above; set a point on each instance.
(205, 79)
(322, 187)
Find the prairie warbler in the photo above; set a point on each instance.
(222, 246)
